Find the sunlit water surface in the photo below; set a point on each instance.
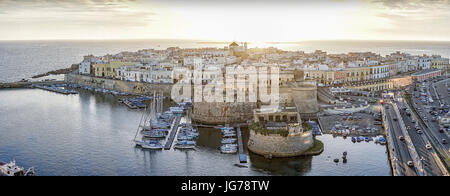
(91, 134)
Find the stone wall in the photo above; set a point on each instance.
(278, 146)
(222, 112)
(305, 97)
(119, 85)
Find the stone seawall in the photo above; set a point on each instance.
(119, 85)
(278, 146)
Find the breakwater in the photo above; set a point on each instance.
(27, 84)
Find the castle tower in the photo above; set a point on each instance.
(304, 96)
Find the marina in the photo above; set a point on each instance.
(360, 88)
(173, 133)
(53, 142)
(55, 88)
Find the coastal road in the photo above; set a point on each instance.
(399, 147)
(429, 163)
(435, 137)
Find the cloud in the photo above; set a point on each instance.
(412, 4)
(75, 12)
(427, 19)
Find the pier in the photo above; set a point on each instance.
(173, 133)
(55, 89)
(242, 156)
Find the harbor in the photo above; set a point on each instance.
(94, 129)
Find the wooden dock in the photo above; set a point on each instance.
(242, 156)
(173, 133)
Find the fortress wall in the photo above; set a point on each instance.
(119, 85)
(306, 99)
(221, 112)
(279, 146)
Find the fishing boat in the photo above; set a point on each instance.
(11, 169)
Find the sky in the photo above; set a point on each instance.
(226, 20)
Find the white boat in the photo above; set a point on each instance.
(185, 144)
(154, 134)
(11, 169)
(149, 144)
(228, 149)
(229, 135)
(229, 140)
(185, 137)
(176, 110)
(227, 130)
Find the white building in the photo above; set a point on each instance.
(84, 68)
(378, 72)
(412, 63)
(158, 76)
(146, 74)
(192, 61)
(424, 62)
(129, 73)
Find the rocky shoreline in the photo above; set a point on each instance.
(72, 68)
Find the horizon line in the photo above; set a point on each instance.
(224, 41)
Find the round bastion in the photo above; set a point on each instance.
(276, 145)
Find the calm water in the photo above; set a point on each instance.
(91, 134)
(24, 59)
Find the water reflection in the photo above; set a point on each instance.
(92, 134)
(281, 166)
